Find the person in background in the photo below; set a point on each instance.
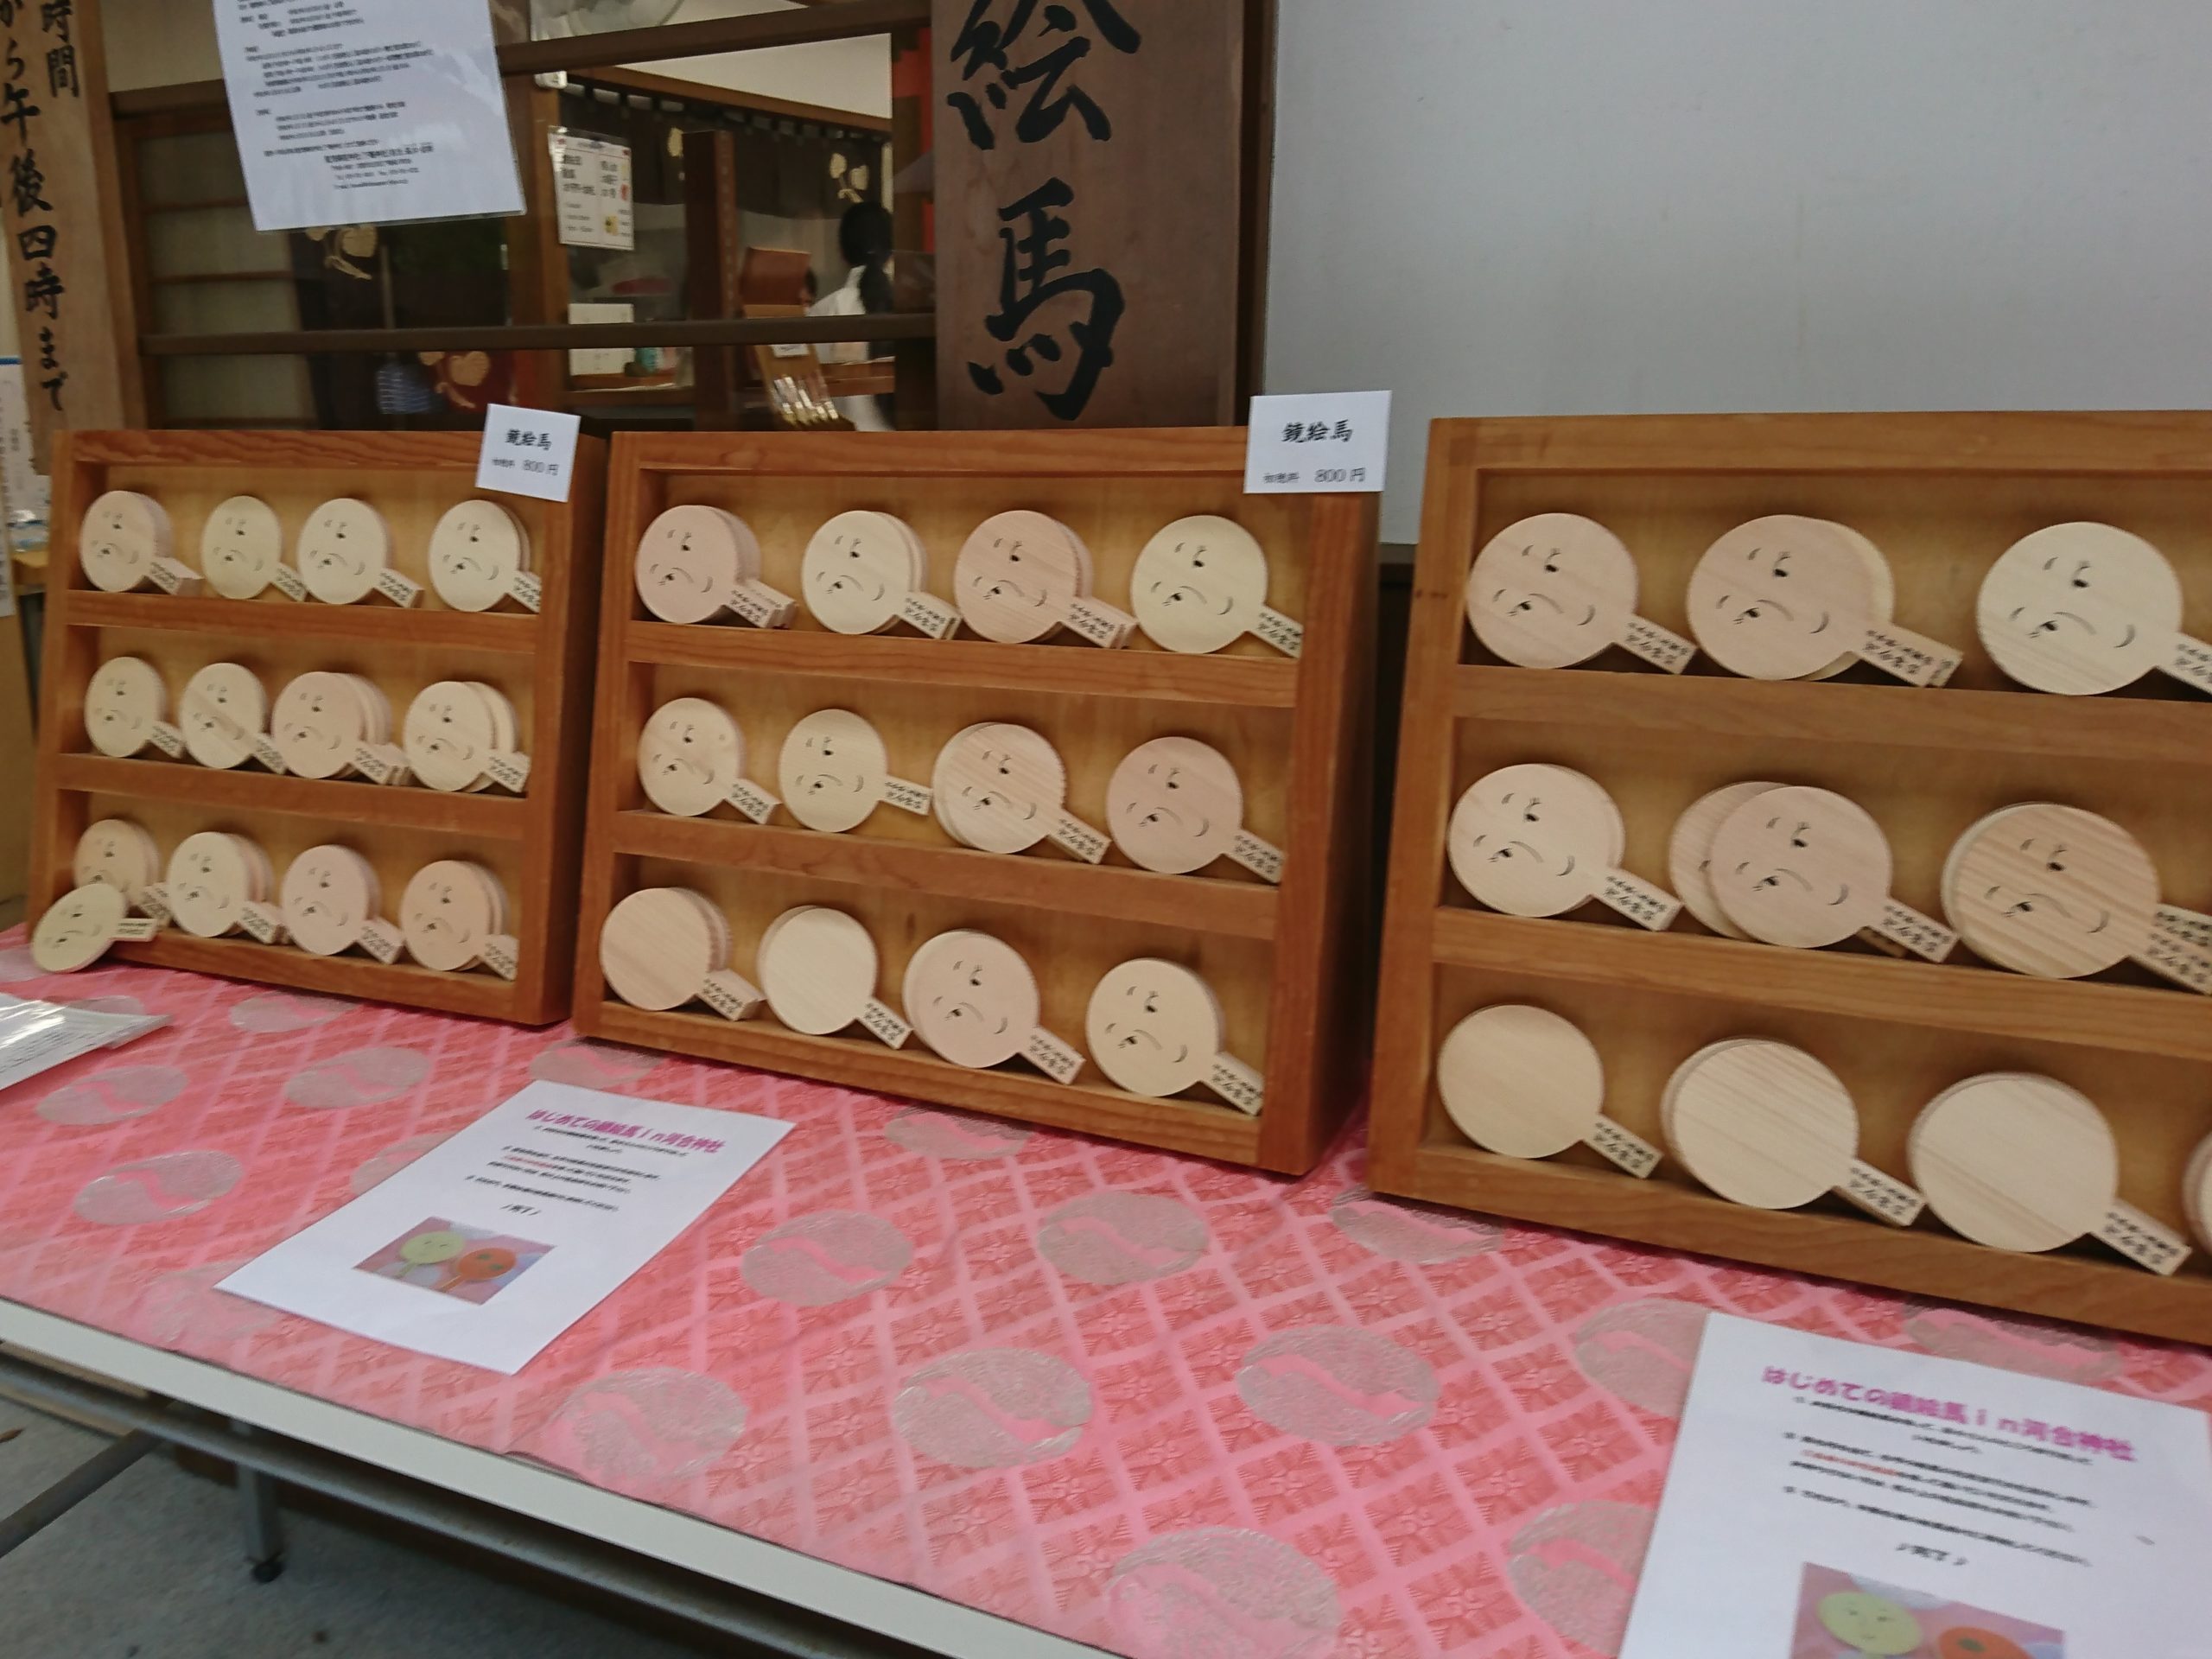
(864, 240)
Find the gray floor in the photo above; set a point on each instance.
(152, 1566)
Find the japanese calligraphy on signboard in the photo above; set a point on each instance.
(1088, 189)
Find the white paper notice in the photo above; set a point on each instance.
(528, 452)
(1320, 442)
(1830, 1498)
(591, 179)
(366, 112)
(490, 1245)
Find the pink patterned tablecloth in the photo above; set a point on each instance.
(1165, 1407)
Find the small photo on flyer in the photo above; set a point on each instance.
(1840, 1615)
(472, 1263)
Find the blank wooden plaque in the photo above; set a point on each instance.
(1800, 867)
(1534, 840)
(2050, 890)
(1199, 584)
(2197, 1192)
(1153, 1027)
(1787, 598)
(1689, 852)
(817, 968)
(2079, 608)
(659, 945)
(1762, 1123)
(1551, 590)
(1520, 1080)
(2015, 1161)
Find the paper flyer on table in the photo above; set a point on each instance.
(493, 1242)
(1829, 1499)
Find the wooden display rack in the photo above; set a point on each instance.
(1943, 495)
(1282, 959)
(543, 662)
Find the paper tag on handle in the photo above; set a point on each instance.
(401, 590)
(756, 803)
(1921, 935)
(136, 929)
(1883, 1197)
(1913, 658)
(730, 995)
(381, 939)
(286, 582)
(266, 751)
(1285, 634)
(927, 613)
(1660, 648)
(1638, 899)
(502, 954)
(2191, 663)
(173, 578)
(1237, 1083)
(1071, 833)
(1625, 1146)
(154, 899)
(1051, 1056)
(1095, 620)
(508, 770)
(908, 796)
(166, 738)
(2144, 1240)
(762, 606)
(2176, 959)
(1263, 858)
(527, 589)
(2192, 928)
(883, 1021)
(380, 763)
(264, 922)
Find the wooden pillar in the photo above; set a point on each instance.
(711, 231)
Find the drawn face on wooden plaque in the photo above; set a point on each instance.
(1551, 591)
(1800, 867)
(122, 534)
(78, 928)
(316, 723)
(1534, 840)
(222, 711)
(1153, 1027)
(690, 561)
(475, 551)
(117, 853)
(1016, 575)
(1762, 1123)
(2015, 1161)
(857, 571)
(2051, 890)
(658, 946)
(816, 967)
(998, 786)
(329, 893)
(2079, 608)
(452, 729)
(344, 547)
(1787, 598)
(1174, 805)
(1520, 1081)
(1689, 852)
(122, 700)
(211, 877)
(688, 754)
(832, 770)
(447, 912)
(971, 998)
(240, 546)
(1198, 585)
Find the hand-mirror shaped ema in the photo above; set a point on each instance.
(858, 570)
(477, 551)
(223, 710)
(1556, 589)
(125, 701)
(1526, 1083)
(1155, 1029)
(212, 878)
(240, 547)
(1790, 598)
(344, 547)
(1536, 840)
(1807, 868)
(77, 928)
(973, 1000)
(662, 947)
(817, 968)
(330, 893)
(119, 854)
(317, 722)
(1017, 576)
(694, 562)
(2083, 608)
(1174, 805)
(453, 728)
(689, 755)
(120, 538)
(834, 770)
(998, 787)
(1689, 852)
(450, 910)
(2197, 1192)
(1201, 584)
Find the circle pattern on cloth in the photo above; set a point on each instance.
(269, 1012)
(955, 1135)
(644, 1427)
(113, 1096)
(158, 1189)
(1338, 1384)
(2067, 1353)
(1198, 584)
(2079, 609)
(593, 1065)
(1174, 805)
(1225, 1591)
(381, 1167)
(184, 1311)
(1406, 1232)
(360, 1076)
(1121, 1238)
(1643, 1351)
(1551, 591)
(1583, 1590)
(993, 1409)
(240, 546)
(829, 1256)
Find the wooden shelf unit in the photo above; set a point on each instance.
(542, 662)
(1282, 959)
(1943, 495)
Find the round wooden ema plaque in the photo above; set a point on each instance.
(1174, 805)
(317, 722)
(122, 534)
(659, 945)
(998, 787)
(1016, 575)
(118, 853)
(77, 928)
(689, 755)
(832, 770)
(240, 547)
(690, 560)
(2197, 1192)
(1551, 591)
(223, 709)
(344, 547)
(213, 877)
(1761, 1124)
(2079, 608)
(1799, 867)
(971, 998)
(2052, 891)
(858, 569)
(1153, 1027)
(453, 728)
(123, 701)
(330, 893)
(817, 968)
(2015, 1161)
(1689, 852)
(1520, 1081)
(447, 912)
(476, 552)
(1534, 840)
(1199, 585)
(1788, 598)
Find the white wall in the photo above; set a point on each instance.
(1569, 207)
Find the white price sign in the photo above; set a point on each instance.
(528, 452)
(1319, 443)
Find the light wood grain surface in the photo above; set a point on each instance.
(1551, 590)
(2079, 608)
(1017, 575)
(1198, 585)
(1153, 1027)
(1761, 1124)
(241, 544)
(1520, 1080)
(2015, 1161)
